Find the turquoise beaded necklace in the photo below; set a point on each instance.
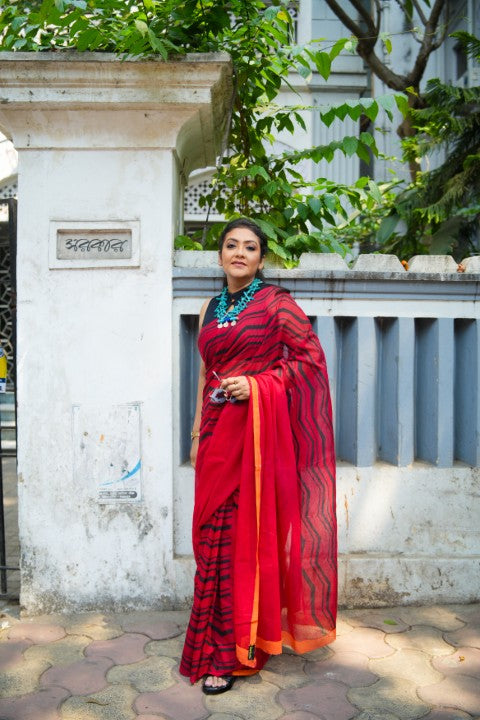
(225, 316)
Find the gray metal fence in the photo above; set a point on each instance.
(402, 351)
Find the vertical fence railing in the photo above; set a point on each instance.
(403, 354)
(404, 369)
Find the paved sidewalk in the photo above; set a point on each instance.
(388, 664)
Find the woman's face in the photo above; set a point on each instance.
(240, 256)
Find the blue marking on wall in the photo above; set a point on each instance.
(125, 477)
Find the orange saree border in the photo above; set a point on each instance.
(246, 657)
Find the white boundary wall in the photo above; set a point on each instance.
(403, 352)
(102, 147)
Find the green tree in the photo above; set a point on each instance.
(427, 24)
(439, 213)
(249, 178)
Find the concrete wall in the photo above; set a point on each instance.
(102, 144)
(403, 352)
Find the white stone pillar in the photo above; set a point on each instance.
(104, 147)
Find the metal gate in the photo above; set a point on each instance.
(8, 439)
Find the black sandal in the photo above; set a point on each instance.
(218, 689)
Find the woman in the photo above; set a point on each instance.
(264, 528)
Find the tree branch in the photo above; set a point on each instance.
(367, 41)
(354, 28)
(409, 19)
(365, 49)
(366, 16)
(420, 12)
(391, 79)
(441, 39)
(428, 43)
(435, 15)
(378, 22)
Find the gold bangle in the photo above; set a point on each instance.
(194, 434)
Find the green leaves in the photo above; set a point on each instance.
(369, 107)
(387, 227)
(387, 43)
(323, 63)
(297, 214)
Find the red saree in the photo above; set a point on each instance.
(269, 466)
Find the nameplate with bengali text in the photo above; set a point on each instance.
(101, 244)
(94, 244)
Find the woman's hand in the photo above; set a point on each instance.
(237, 387)
(194, 451)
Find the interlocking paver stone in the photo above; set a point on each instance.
(343, 627)
(465, 661)
(467, 613)
(37, 633)
(169, 648)
(42, 705)
(123, 650)
(327, 700)
(285, 671)
(374, 715)
(22, 678)
(421, 637)
(424, 671)
(153, 625)
(252, 699)
(393, 695)
(321, 653)
(175, 673)
(11, 653)
(459, 690)
(113, 703)
(180, 617)
(383, 620)
(348, 667)
(95, 625)
(468, 636)
(412, 665)
(179, 701)
(446, 714)
(149, 675)
(300, 715)
(443, 617)
(367, 641)
(61, 652)
(80, 678)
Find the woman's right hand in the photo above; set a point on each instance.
(194, 451)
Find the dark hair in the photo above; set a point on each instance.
(250, 225)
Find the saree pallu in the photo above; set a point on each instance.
(273, 458)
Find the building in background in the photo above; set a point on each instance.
(351, 79)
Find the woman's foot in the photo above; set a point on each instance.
(213, 685)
